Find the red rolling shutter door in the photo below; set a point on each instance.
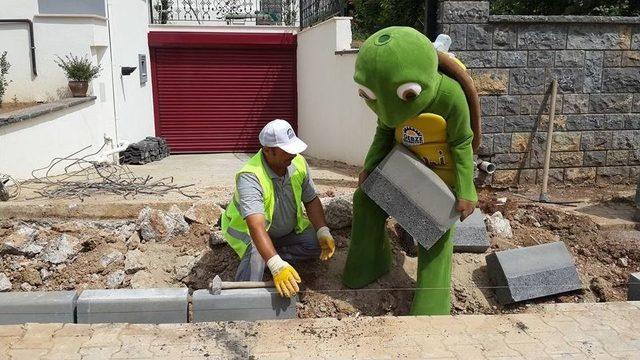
(218, 99)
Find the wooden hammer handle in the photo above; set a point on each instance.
(245, 284)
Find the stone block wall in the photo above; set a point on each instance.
(513, 59)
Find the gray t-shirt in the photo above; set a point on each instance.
(284, 212)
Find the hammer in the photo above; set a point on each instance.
(217, 285)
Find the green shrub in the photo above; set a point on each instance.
(4, 70)
(373, 15)
(78, 68)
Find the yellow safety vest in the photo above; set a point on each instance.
(235, 228)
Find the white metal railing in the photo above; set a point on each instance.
(226, 12)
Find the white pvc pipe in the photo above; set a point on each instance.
(486, 166)
(105, 156)
(122, 146)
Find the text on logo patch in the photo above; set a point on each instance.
(411, 136)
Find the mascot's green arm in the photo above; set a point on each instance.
(383, 142)
(451, 104)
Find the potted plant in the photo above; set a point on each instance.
(79, 71)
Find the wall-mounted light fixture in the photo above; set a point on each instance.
(127, 70)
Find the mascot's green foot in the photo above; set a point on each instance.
(355, 279)
(369, 251)
(433, 288)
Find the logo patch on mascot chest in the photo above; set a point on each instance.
(412, 136)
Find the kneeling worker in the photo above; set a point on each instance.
(265, 223)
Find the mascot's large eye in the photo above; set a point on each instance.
(365, 93)
(409, 91)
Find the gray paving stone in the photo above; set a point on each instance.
(593, 71)
(477, 58)
(532, 272)
(492, 124)
(504, 37)
(37, 307)
(242, 305)
(595, 158)
(135, 306)
(586, 122)
(479, 37)
(486, 146)
(542, 36)
(597, 36)
(570, 80)
(502, 143)
(512, 58)
(541, 58)
(508, 161)
(527, 81)
(471, 234)
(621, 80)
(508, 105)
(488, 105)
(634, 287)
(464, 12)
(458, 34)
(414, 195)
(519, 123)
(570, 58)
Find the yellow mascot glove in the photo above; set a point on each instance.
(285, 277)
(327, 244)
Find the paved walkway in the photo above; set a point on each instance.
(566, 331)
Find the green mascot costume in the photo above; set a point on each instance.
(402, 80)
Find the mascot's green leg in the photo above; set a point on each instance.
(433, 295)
(369, 251)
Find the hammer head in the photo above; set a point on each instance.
(216, 285)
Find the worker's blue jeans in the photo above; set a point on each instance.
(291, 248)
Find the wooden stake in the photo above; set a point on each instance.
(547, 157)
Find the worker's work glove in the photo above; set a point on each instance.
(327, 244)
(285, 277)
(465, 208)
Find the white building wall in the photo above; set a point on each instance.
(54, 36)
(332, 119)
(128, 25)
(33, 143)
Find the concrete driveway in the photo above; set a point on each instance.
(212, 176)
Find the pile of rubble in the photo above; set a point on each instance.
(175, 248)
(34, 252)
(58, 254)
(167, 248)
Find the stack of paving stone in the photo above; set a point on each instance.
(145, 151)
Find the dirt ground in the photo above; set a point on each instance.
(604, 259)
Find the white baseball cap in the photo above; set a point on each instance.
(278, 133)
